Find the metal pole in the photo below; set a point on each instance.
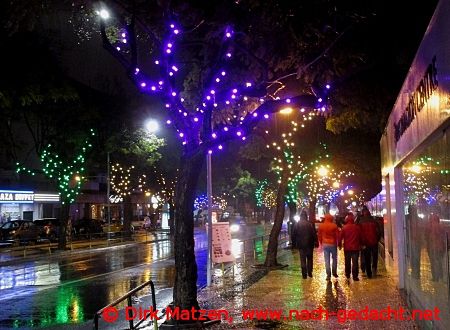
(108, 206)
(209, 193)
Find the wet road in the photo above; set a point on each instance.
(57, 293)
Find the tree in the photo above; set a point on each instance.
(135, 151)
(244, 190)
(225, 91)
(66, 169)
(294, 42)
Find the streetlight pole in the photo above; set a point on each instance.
(209, 196)
(108, 206)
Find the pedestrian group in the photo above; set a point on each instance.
(359, 237)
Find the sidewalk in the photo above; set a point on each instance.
(285, 290)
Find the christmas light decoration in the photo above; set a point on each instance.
(230, 108)
(123, 181)
(296, 172)
(419, 183)
(201, 202)
(67, 174)
(324, 182)
(260, 186)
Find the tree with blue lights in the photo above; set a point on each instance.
(215, 87)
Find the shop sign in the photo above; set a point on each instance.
(115, 199)
(417, 100)
(15, 196)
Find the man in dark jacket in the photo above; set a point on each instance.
(351, 235)
(304, 237)
(370, 235)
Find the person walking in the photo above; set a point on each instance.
(436, 246)
(328, 238)
(351, 235)
(304, 238)
(370, 235)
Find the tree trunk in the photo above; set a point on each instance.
(272, 248)
(291, 222)
(292, 211)
(171, 218)
(127, 215)
(185, 288)
(341, 207)
(63, 222)
(312, 209)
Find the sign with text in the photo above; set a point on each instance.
(16, 196)
(221, 243)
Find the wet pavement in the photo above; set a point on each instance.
(285, 291)
(236, 288)
(63, 290)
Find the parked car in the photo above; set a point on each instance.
(137, 224)
(20, 231)
(114, 227)
(49, 228)
(87, 227)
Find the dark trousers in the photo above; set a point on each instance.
(351, 263)
(306, 261)
(371, 259)
(362, 261)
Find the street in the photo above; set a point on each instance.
(51, 293)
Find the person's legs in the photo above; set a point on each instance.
(326, 254)
(309, 261)
(367, 261)
(355, 269)
(334, 258)
(374, 259)
(303, 262)
(347, 258)
(363, 260)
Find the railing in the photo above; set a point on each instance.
(128, 296)
(282, 239)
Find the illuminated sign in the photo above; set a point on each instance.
(115, 199)
(417, 99)
(15, 196)
(46, 197)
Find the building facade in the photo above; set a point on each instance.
(28, 205)
(415, 152)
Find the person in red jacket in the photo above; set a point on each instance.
(351, 235)
(328, 238)
(370, 235)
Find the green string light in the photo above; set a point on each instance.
(67, 175)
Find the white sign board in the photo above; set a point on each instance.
(221, 243)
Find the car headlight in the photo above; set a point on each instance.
(234, 228)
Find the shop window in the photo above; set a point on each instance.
(427, 218)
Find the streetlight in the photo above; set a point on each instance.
(286, 111)
(104, 14)
(322, 171)
(152, 126)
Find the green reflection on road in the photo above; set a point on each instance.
(68, 305)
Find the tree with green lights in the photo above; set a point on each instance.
(265, 196)
(290, 171)
(66, 170)
(245, 186)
